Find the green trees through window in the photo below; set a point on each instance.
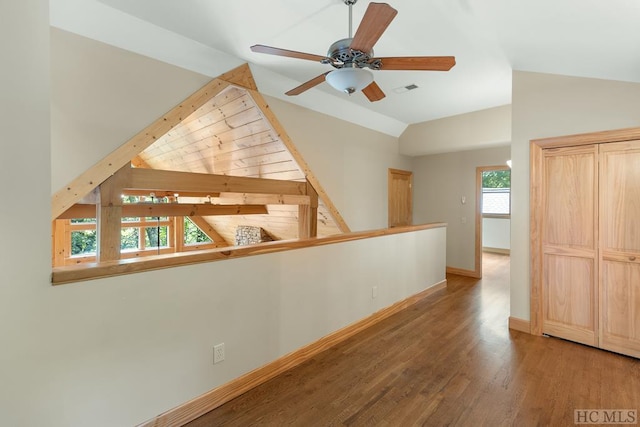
(496, 192)
(154, 231)
(192, 233)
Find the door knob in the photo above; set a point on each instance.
(632, 258)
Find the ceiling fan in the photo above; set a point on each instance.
(352, 55)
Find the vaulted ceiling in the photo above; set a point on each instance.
(230, 135)
(489, 38)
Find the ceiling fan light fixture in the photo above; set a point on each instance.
(349, 80)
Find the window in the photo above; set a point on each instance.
(193, 235)
(76, 240)
(496, 192)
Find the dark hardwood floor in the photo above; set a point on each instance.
(448, 360)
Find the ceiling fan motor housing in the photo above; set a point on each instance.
(344, 57)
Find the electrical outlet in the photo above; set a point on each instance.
(374, 292)
(218, 353)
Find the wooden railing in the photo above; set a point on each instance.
(70, 274)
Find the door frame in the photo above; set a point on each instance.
(536, 160)
(477, 273)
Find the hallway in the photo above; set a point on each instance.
(448, 360)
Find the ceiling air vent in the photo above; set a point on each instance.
(406, 88)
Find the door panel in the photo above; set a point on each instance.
(569, 298)
(620, 247)
(400, 197)
(569, 211)
(569, 237)
(621, 197)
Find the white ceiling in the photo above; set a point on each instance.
(489, 38)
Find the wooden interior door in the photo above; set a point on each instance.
(620, 247)
(400, 197)
(569, 243)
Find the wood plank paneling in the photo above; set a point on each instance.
(207, 144)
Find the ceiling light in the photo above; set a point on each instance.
(349, 80)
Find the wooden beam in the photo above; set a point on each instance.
(261, 199)
(58, 241)
(240, 76)
(109, 214)
(167, 209)
(286, 140)
(90, 179)
(308, 215)
(151, 179)
(206, 228)
(313, 210)
(160, 194)
(178, 231)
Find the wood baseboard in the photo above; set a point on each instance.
(226, 392)
(520, 325)
(500, 251)
(463, 272)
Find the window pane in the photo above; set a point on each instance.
(129, 238)
(496, 201)
(130, 199)
(151, 237)
(83, 221)
(192, 233)
(496, 179)
(83, 242)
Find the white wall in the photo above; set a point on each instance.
(119, 351)
(29, 343)
(102, 96)
(440, 182)
(480, 129)
(549, 105)
(496, 233)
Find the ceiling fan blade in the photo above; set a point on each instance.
(259, 48)
(373, 92)
(307, 85)
(375, 21)
(426, 63)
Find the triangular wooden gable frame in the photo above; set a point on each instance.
(240, 76)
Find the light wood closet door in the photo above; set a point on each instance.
(400, 197)
(569, 243)
(620, 247)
